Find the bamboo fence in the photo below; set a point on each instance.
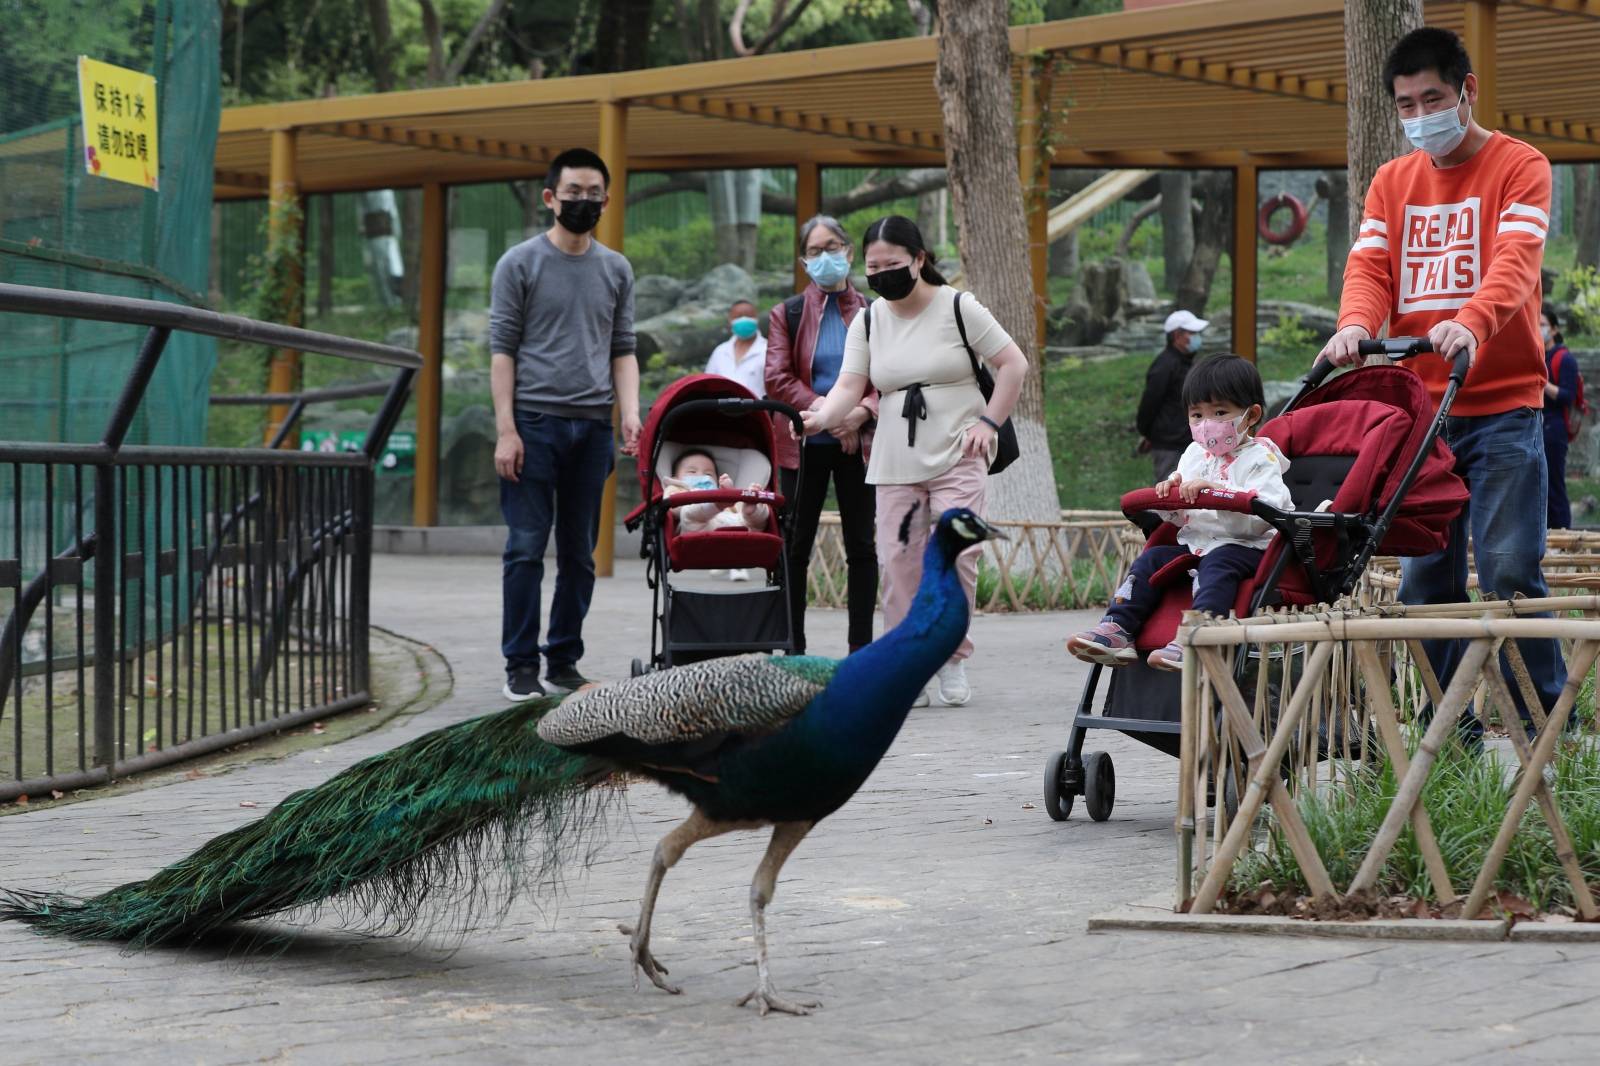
(1044, 566)
(1322, 690)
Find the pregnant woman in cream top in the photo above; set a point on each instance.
(936, 434)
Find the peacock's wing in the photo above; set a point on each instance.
(689, 709)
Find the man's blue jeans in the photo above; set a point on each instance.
(565, 463)
(1501, 458)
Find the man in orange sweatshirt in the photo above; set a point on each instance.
(1451, 240)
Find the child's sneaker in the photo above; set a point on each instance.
(1168, 658)
(1107, 644)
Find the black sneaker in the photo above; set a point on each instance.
(522, 683)
(565, 678)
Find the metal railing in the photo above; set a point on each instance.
(164, 602)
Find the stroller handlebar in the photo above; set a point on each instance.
(1398, 348)
(1207, 500)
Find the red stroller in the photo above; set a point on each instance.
(1371, 475)
(706, 412)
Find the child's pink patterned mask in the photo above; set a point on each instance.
(1219, 437)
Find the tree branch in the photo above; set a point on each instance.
(1148, 208)
(783, 17)
(474, 38)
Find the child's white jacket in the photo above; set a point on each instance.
(1256, 467)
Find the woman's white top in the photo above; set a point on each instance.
(925, 350)
(751, 371)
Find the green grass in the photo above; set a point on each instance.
(1466, 798)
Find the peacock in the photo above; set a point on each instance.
(447, 819)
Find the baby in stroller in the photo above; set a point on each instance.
(696, 471)
(1226, 402)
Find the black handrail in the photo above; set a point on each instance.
(63, 303)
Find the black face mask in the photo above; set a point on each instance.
(893, 284)
(579, 216)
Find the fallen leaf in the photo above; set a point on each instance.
(1027, 806)
(193, 775)
(1514, 904)
(22, 800)
(56, 793)
(247, 803)
(986, 821)
(318, 727)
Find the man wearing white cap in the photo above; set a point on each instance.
(1163, 422)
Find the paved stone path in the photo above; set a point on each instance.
(938, 917)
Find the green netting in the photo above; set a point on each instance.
(64, 228)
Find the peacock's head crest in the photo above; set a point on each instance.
(961, 528)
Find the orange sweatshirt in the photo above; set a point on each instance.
(1464, 242)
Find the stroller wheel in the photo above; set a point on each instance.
(1099, 785)
(638, 668)
(1057, 796)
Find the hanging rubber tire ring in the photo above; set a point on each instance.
(1297, 219)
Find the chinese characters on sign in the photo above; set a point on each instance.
(119, 123)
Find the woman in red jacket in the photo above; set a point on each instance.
(801, 368)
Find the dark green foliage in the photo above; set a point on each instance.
(436, 826)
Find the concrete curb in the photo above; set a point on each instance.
(1158, 917)
(1142, 920)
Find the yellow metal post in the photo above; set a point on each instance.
(430, 342)
(1482, 17)
(614, 150)
(283, 195)
(807, 202)
(1245, 251)
(1035, 198)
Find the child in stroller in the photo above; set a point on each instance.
(1226, 403)
(696, 471)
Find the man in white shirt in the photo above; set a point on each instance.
(743, 356)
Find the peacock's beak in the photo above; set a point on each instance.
(990, 532)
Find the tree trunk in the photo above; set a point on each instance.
(1586, 213)
(382, 45)
(1177, 226)
(980, 140)
(1213, 235)
(622, 36)
(1373, 135)
(1337, 198)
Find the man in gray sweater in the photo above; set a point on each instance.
(562, 352)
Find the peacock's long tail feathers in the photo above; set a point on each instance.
(442, 821)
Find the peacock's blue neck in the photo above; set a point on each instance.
(874, 688)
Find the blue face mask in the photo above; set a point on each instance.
(828, 269)
(744, 327)
(1194, 343)
(699, 482)
(1438, 133)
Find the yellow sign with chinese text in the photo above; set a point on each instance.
(119, 123)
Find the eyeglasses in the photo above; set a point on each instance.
(832, 248)
(573, 192)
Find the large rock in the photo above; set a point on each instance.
(654, 294)
(1136, 282)
(681, 338)
(469, 490)
(721, 287)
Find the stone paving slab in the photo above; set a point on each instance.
(940, 916)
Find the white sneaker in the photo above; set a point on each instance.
(921, 700)
(738, 575)
(953, 688)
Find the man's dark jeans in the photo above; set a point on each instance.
(565, 464)
(858, 519)
(1501, 458)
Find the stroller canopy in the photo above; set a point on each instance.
(742, 444)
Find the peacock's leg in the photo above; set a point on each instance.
(786, 836)
(695, 828)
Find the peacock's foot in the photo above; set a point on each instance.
(643, 960)
(766, 999)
